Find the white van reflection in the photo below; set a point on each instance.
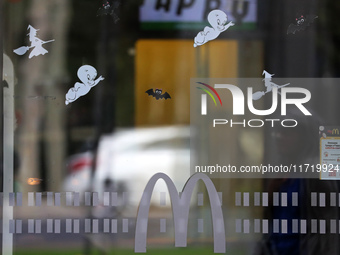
(128, 158)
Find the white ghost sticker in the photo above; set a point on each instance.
(218, 20)
(87, 75)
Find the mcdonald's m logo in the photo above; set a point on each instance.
(180, 210)
(335, 131)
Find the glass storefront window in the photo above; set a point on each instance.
(233, 100)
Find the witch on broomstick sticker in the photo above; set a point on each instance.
(268, 84)
(36, 44)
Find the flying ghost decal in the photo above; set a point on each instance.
(87, 75)
(218, 20)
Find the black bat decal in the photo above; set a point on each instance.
(158, 94)
(301, 23)
(108, 9)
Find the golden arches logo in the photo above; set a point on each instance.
(180, 210)
(335, 131)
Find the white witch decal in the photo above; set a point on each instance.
(36, 44)
(87, 75)
(268, 84)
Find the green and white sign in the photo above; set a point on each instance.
(192, 14)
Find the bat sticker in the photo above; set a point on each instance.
(87, 75)
(158, 94)
(36, 44)
(218, 20)
(109, 9)
(301, 23)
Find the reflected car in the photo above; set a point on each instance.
(128, 158)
